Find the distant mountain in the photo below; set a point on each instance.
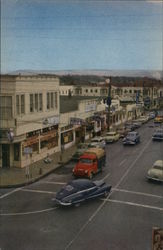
(157, 74)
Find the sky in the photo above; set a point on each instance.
(81, 34)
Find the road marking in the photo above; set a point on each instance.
(106, 176)
(13, 191)
(27, 213)
(37, 191)
(53, 182)
(139, 193)
(105, 200)
(134, 204)
(132, 165)
(122, 162)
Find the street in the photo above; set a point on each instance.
(123, 221)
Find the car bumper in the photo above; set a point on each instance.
(58, 202)
(80, 173)
(129, 143)
(157, 138)
(154, 178)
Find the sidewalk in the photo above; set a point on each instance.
(16, 177)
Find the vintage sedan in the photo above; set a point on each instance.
(132, 138)
(156, 172)
(97, 141)
(111, 137)
(122, 131)
(158, 135)
(81, 190)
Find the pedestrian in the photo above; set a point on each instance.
(27, 174)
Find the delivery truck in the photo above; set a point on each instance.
(90, 162)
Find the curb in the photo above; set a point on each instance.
(32, 180)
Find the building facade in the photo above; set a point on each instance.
(29, 116)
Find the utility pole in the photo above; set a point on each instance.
(109, 104)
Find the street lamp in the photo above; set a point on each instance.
(109, 104)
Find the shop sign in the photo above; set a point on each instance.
(76, 121)
(30, 141)
(27, 150)
(157, 238)
(51, 121)
(90, 107)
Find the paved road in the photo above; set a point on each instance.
(30, 221)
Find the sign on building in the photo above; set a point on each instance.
(27, 150)
(51, 120)
(90, 107)
(76, 121)
(157, 238)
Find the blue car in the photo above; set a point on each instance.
(80, 190)
(132, 138)
(158, 135)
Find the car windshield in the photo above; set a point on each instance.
(160, 131)
(68, 188)
(110, 134)
(131, 135)
(158, 167)
(86, 161)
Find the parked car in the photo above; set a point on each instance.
(90, 162)
(158, 135)
(129, 126)
(81, 190)
(97, 141)
(111, 137)
(131, 138)
(81, 148)
(143, 118)
(136, 124)
(151, 115)
(156, 172)
(122, 131)
(158, 119)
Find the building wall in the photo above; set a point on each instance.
(29, 124)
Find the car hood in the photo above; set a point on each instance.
(154, 172)
(63, 194)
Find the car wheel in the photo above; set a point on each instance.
(90, 175)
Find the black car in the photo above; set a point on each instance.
(158, 135)
(80, 190)
(132, 138)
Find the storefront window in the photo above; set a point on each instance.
(67, 137)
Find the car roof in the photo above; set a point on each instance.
(97, 138)
(133, 132)
(158, 163)
(81, 184)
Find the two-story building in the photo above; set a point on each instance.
(29, 116)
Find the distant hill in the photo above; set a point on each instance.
(156, 74)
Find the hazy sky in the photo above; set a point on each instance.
(81, 34)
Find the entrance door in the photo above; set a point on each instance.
(5, 155)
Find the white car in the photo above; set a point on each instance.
(143, 119)
(97, 141)
(156, 172)
(111, 137)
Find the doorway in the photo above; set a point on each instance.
(5, 155)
